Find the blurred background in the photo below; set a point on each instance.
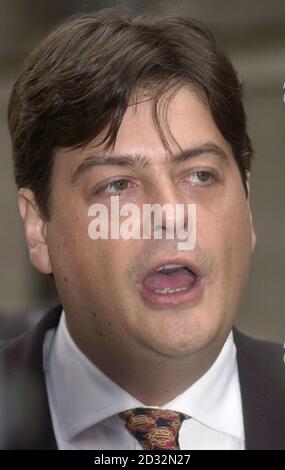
(253, 34)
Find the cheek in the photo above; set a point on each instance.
(235, 246)
(101, 264)
(238, 230)
(224, 233)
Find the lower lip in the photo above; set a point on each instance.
(176, 298)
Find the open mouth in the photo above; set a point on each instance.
(171, 283)
(170, 278)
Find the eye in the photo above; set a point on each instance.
(201, 177)
(116, 186)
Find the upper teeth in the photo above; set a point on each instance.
(166, 267)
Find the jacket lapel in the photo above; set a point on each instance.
(261, 375)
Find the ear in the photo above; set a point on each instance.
(253, 234)
(35, 231)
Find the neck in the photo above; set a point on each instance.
(152, 378)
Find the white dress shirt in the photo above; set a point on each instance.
(85, 403)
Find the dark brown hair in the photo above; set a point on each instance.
(79, 81)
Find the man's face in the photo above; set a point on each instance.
(100, 281)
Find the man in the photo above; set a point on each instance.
(141, 353)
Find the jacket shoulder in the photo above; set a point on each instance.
(262, 364)
(25, 347)
(22, 388)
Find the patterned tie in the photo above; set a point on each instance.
(154, 428)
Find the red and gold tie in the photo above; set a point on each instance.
(154, 428)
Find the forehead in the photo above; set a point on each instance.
(185, 119)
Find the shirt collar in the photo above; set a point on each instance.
(214, 399)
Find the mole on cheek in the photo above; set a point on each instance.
(65, 279)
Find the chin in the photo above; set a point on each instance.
(190, 340)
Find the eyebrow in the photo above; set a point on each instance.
(140, 161)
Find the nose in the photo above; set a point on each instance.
(170, 208)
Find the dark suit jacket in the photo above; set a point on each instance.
(25, 412)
